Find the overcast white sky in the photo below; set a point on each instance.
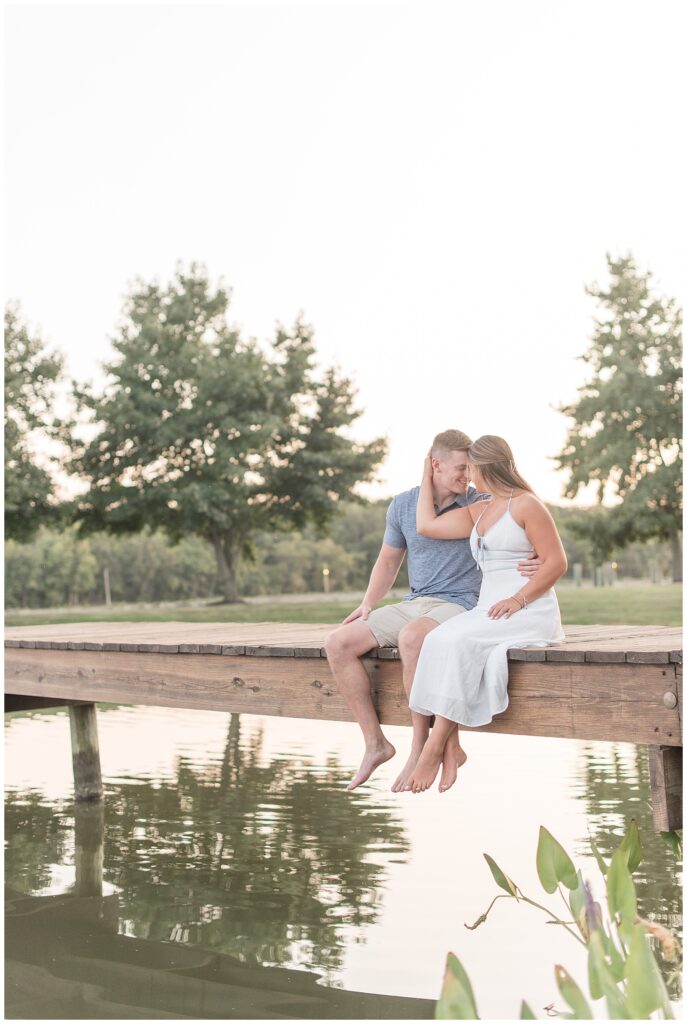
(431, 185)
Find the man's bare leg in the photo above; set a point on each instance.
(345, 647)
(410, 641)
(432, 753)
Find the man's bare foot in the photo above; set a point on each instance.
(426, 770)
(454, 758)
(371, 760)
(406, 772)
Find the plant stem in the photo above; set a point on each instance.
(555, 917)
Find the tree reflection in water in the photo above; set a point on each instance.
(268, 860)
(38, 835)
(616, 788)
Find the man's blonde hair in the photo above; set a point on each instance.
(450, 441)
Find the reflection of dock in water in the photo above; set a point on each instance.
(97, 973)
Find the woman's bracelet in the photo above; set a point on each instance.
(521, 599)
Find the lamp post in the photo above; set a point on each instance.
(325, 578)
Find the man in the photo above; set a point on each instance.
(444, 582)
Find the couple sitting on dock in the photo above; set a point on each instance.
(473, 531)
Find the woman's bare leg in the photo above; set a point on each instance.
(432, 755)
(453, 758)
(410, 642)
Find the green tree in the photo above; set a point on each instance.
(30, 377)
(54, 570)
(627, 419)
(201, 431)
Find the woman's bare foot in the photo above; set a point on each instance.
(454, 758)
(406, 772)
(372, 759)
(426, 769)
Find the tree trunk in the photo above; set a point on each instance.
(676, 552)
(227, 560)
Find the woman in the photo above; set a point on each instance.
(462, 672)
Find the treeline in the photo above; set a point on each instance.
(58, 568)
(202, 432)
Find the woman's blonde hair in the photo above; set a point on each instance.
(494, 457)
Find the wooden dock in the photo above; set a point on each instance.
(619, 683)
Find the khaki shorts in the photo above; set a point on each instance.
(387, 622)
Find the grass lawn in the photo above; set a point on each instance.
(641, 604)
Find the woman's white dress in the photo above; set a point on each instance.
(462, 672)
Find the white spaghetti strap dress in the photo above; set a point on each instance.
(462, 672)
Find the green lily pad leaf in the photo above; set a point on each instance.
(573, 995)
(553, 863)
(646, 991)
(603, 866)
(620, 891)
(525, 1012)
(632, 847)
(457, 1001)
(501, 879)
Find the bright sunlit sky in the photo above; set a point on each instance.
(433, 186)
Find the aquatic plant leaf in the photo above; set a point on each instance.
(615, 1004)
(525, 1012)
(501, 879)
(620, 890)
(457, 1001)
(577, 902)
(615, 958)
(572, 993)
(601, 983)
(603, 866)
(646, 991)
(553, 863)
(674, 841)
(593, 978)
(632, 847)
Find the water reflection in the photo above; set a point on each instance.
(239, 879)
(262, 859)
(615, 785)
(265, 861)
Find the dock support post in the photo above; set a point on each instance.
(88, 784)
(89, 835)
(665, 770)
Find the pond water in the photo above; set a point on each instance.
(238, 878)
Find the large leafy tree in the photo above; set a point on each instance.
(31, 373)
(627, 420)
(202, 431)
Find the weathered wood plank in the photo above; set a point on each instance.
(530, 654)
(665, 769)
(576, 700)
(678, 688)
(22, 702)
(603, 644)
(88, 784)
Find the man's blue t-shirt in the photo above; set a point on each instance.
(444, 569)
